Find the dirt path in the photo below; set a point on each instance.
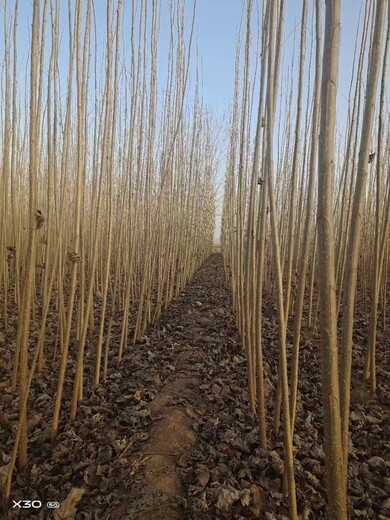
(158, 492)
(201, 321)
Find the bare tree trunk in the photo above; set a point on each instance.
(24, 320)
(326, 266)
(353, 247)
(308, 222)
(380, 237)
(271, 96)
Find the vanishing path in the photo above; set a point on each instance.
(191, 403)
(202, 459)
(159, 439)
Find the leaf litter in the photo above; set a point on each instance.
(221, 473)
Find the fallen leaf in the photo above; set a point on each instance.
(226, 496)
(68, 508)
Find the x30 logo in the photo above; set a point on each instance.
(27, 504)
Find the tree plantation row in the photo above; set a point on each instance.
(310, 217)
(107, 190)
(110, 171)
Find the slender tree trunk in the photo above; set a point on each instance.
(326, 266)
(379, 242)
(307, 232)
(353, 247)
(24, 319)
(271, 96)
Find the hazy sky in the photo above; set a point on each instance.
(217, 23)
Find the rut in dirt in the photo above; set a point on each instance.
(206, 343)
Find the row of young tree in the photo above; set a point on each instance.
(295, 228)
(106, 187)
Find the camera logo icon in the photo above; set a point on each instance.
(53, 505)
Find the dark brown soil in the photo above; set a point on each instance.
(171, 435)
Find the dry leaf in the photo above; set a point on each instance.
(68, 508)
(227, 496)
(203, 475)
